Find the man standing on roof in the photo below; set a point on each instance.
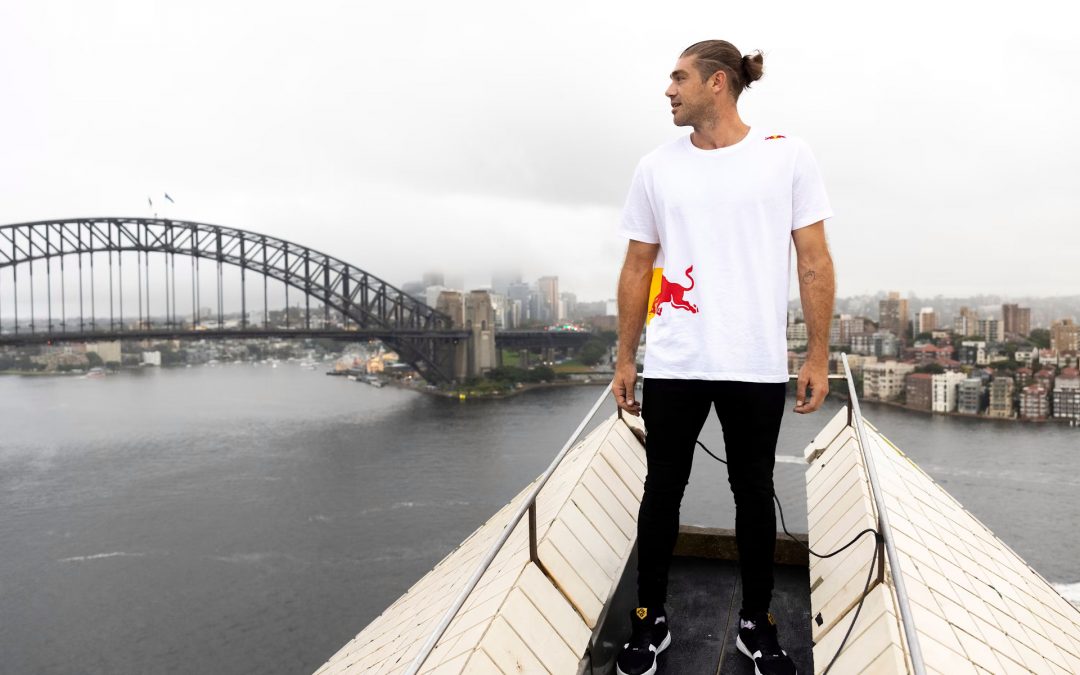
(710, 218)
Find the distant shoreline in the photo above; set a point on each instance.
(457, 393)
(901, 406)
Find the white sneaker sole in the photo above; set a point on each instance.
(651, 671)
(742, 648)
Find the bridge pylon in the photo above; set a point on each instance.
(473, 312)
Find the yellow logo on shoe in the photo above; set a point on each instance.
(642, 612)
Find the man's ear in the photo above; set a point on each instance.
(718, 81)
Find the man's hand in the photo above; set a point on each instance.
(623, 388)
(816, 376)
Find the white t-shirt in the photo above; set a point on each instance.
(723, 219)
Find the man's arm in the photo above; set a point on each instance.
(634, 282)
(817, 288)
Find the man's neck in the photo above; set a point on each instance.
(720, 132)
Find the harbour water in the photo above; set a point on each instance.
(241, 519)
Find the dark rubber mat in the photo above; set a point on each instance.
(703, 614)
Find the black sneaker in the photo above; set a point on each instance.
(649, 636)
(757, 639)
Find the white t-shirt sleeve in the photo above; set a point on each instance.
(809, 202)
(638, 220)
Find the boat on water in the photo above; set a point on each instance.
(547, 583)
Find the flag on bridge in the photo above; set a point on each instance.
(169, 198)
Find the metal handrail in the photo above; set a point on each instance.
(528, 505)
(911, 635)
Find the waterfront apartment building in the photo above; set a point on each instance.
(971, 396)
(893, 315)
(919, 391)
(1034, 402)
(1001, 397)
(991, 330)
(1064, 336)
(945, 386)
(1045, 377)
(1023, 377)
(885, 380)
(1016, 320)
(1067, 395)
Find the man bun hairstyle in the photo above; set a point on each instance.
(714, 55)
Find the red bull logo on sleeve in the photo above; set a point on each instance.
(663, 292)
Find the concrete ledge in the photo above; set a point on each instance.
(719, 543)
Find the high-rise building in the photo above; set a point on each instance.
(834, 330)
(967, 322)
(569, 305)
(919, 390)
(549, 294)
(927, 320)
(1034, 403)
(1064, 336)
(893, 315)
(991, 330)
(1001, 397)
(851, 326)
(946, 386)
(1016, 319)
(1067, 395)
(520, 294)
(971, 396)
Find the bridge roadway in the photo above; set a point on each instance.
(516, 339)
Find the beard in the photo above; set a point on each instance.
(694, 114)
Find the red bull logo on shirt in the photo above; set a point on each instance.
(663, 291)
(769, 138)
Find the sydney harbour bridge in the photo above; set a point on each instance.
(90, 279)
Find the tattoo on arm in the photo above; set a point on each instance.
(808, 277)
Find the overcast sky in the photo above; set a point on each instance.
(473, 136)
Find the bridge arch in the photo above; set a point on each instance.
(422, 335)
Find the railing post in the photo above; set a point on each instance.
(532, 534)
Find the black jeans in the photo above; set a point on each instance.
(674, 412)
